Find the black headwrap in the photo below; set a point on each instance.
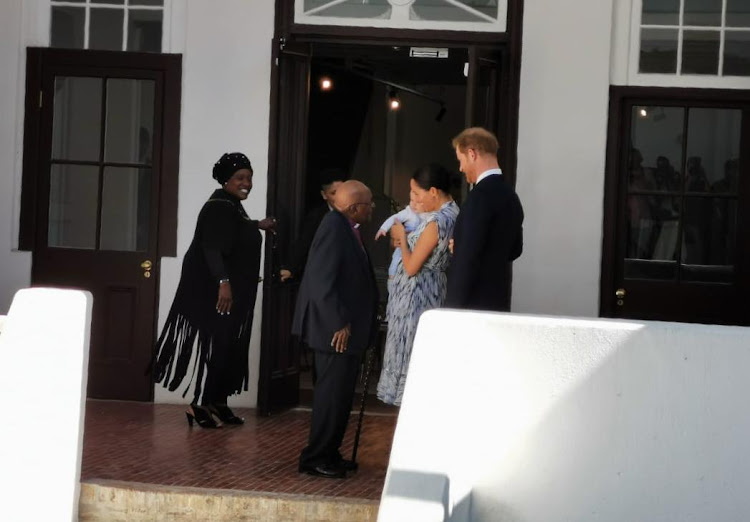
(228, 164)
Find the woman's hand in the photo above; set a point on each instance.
(224, 303)
(268, 223)
(398, 232)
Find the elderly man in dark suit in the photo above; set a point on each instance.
(335, 316)
(488, 233)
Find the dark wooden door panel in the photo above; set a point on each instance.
(278, 388)
(92, 199)
(677, 206)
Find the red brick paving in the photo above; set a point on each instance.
(151, 443)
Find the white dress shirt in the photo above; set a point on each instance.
(488, 173)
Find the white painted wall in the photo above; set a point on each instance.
(226, 49)
(563, 118)
(553, 419)
(31, 452)
(15, 33)
(226, 65)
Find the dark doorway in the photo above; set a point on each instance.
(350, 126)
(100, 159)
(676, 207)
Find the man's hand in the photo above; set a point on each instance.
(224, 302)
(285, 274)
(341, 339)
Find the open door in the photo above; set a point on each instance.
(280, 351)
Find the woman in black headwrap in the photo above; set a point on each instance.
(215, 300)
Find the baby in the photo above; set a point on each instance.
(410, 218)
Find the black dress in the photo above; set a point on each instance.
(226, 245)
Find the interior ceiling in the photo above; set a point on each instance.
(394, 63)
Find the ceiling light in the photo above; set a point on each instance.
(393, 102)
(326, 84)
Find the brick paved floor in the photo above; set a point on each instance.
(151, 443)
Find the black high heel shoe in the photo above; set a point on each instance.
(225, 414)
(202, 416)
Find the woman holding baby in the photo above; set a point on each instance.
(419, 282)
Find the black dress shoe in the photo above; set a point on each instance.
(324, 470)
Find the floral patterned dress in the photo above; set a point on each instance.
(409, 297)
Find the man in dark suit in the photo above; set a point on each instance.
(488, 234)
(330, 180)
(335, 316)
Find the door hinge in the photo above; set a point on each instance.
(41, 97)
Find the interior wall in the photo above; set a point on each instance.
(563, 117)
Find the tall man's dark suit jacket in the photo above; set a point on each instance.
(488, 235)
(338, 288)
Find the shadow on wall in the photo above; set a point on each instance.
(559, 419)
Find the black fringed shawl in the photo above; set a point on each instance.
(226, 244)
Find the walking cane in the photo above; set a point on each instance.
(368, 369)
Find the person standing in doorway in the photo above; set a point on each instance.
(335, 315)
(330, 180)
(488, 234)
(211, 317)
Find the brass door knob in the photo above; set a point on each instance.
(620, 293)
(146, 266)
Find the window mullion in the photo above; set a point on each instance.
(86, 22)
(722, 36)
(680, 33)
(125, 28)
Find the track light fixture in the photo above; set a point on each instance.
(393, 102)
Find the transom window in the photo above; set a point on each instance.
(695, 37)
(463, 15)
(110, 25)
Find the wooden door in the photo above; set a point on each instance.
(677, 207)
(280, 352)
(98, 160)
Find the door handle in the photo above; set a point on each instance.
(620, 295)
(146, 266)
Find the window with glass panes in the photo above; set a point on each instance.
(695, 37)
(111, 25)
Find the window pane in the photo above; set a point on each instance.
(700, 52)
(73, 197)
(441, 10)
(146, 2)
(738, 13)
(710, 229)
(76, 123)
(658, 51)
(737, 53)
(713, 149)
(653, 227)
(349, 8)
(105, 31)
(660, 12)
(130, 121)
(144, 30)
(702, 12)
(656, 149)
(67, 27)
(126, 197)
